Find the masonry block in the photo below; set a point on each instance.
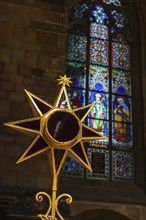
(11, 68)
(5, 54)
(24, 34)
(18, 56)
(43, 60)
(31, 58)
(5, 110)
(47, 38)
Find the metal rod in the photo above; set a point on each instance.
(54, 191)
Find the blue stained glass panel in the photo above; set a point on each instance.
(77, 47)
(77, 72)
(99, 52)
(98, 31)
(71, 167)
(102, 126)
(99, 159)
(120, 56)
(121, 82)
(122, 165)
(99, 15)
(98, 78)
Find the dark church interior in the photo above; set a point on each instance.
(101, 46)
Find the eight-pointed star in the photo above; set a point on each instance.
(57, 130)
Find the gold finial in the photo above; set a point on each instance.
(64, 80)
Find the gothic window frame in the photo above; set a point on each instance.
(133, 138)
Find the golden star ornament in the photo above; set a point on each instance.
(57, 129)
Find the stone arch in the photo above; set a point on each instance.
(100, 214)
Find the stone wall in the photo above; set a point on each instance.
(32, 56)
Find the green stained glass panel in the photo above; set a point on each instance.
(102, 126)
(98, 78)
(99, 52)
(98, 117)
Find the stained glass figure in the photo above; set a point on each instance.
(98, 31)
(122, 165)
(99, 15)
(122, 109)
(103, 129)
(77, 47)
(99, 113)
(100, 163)
(122, 127)
(71, 167)
(121, 82)
(76, 97)
(120, 19)
(105, 132)
(114, 2)
(122, 135)
(98, 78)
(77, 71)
(120, 56)
(99, 52)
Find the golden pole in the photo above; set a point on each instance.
(54, 191)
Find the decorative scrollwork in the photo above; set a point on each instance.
(46, 217)
(39, 198)
(68, 200)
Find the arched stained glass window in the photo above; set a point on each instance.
(99, 65)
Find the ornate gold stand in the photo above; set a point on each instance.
(53, 203)
(58, 130)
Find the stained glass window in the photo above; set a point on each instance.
(114, 2)
(99, 65)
